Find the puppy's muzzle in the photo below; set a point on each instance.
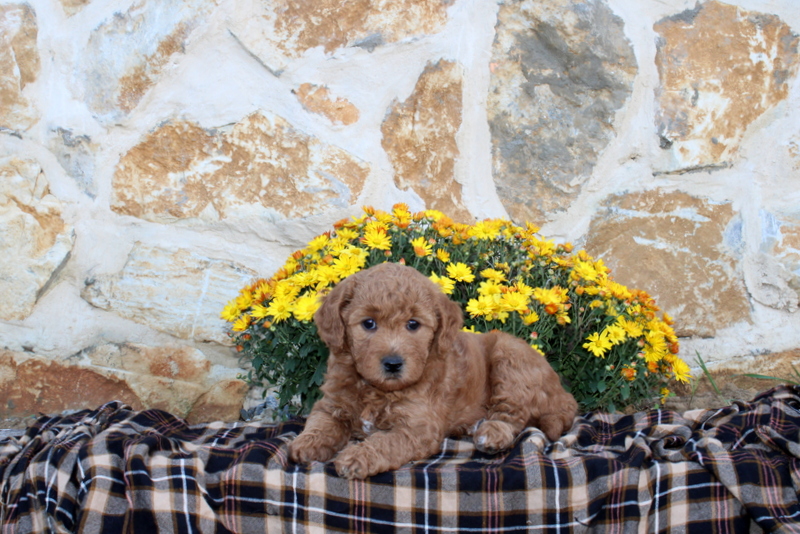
(392, 365)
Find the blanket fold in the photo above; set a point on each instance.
(112, 469)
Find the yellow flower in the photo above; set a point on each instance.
(305, 307)
(279, 309)
(443, 282)
(259, 312)
(230, 312)
(493, 274)
(487, 229)
(680, 370)
(376, 237)
(241, 324)
(598, 344)
(583, 270)
(460, 272)
(554, 295)
(514, 302)
(632, 328)
(318, 243)
(489, 287)
(522, 288)
(421, 246)
(616, 334)
(665, 394)
(470, 329)
(350, 261)
(530, 318)
(483, 305)
(348, 234)
(442, 255)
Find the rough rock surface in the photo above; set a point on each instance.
(128, 53)
(34, 239)
(419, 135)
(19, 65)
(681, 249)
(721, 67)
(261, 166)
(560, 71)
(277, 32)
(175, 291)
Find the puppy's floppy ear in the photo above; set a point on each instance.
(329, 320)
(451, 319)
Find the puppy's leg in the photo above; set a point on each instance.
(327, 431)
(525, 390)
(385, 451)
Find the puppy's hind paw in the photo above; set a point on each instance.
(492, 437)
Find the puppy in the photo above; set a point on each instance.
(402, 376)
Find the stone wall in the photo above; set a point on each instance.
(156, 156)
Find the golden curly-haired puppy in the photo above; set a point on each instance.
(402, 375)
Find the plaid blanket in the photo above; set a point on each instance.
(114, 470)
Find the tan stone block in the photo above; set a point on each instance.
(181, 363)
(223, 402)
(19, 65)
(32, 385)
(73, 6)
(261, 166)
(285, 29)
(720, 68)
(175, 291)
(36, 240)
(560, 71)
(419, 135)
(318, 99)
(673, 245)
(129, 52)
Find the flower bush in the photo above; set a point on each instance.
(605, 340)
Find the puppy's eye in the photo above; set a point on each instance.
(369, 324)
(412, 325)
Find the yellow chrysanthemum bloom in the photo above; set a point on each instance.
(460, 272)
(350, 261)
(447, 284)
(616, 334)
(241, 324)
(259, 312)
(347, 234)
(514, 302)
(306, 306)
(442, 255)
(530, 318)
(598, 344)
(554, 295)
(489, 288)
(632, 328)
(421, 246)
(583, 270)
(279, 309)
(680, 370)
(493, 274)
(487, 229)
(482, 306)
(377, 238)
(318, 243)
(230, 312)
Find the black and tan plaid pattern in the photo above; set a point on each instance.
(114, 470)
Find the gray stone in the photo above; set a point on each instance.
(560, 71)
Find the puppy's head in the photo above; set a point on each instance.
(391, 320)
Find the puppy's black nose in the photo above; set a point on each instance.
(392, 364)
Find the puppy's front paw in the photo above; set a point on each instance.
(357, 461)
(493, 436)
(309, 447)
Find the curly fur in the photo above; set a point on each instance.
(402, 376)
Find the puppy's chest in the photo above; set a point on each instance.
(376, 414)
